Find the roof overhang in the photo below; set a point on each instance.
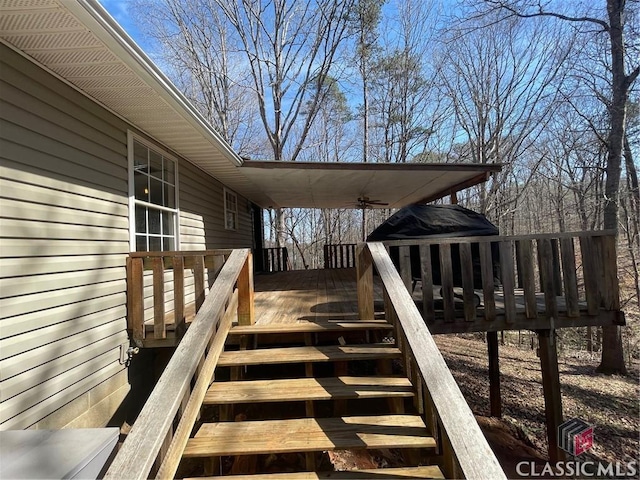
(80, 43)
(339, 185)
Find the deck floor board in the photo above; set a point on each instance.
(317, 296)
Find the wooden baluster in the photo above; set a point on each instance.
(159, 327)
(178, 295)
(451, 466)
(547, 275)
(431, 419)
(508, 280)
(468, 295)
(135, 298)
(446, 276)
(526, 274)
(426, 276)
(570, 277)
(488, 285)
(198, 281)
(589, 268)
(404, 253)
(557, 276)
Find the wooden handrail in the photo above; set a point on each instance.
(462, 443)
(152, 430)
(498, 238)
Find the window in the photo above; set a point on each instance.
(153, 198)
(230, 210)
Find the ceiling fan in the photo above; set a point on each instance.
(364, 202)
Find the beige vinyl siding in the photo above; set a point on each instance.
(202, 214)
(64, 235)
(64, 239)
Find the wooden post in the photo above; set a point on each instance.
(404, 253)
(246, 314)
(495, 400)
(364, 275)
(159, 327)
(552, 394)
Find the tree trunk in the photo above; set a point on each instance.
(612, 349)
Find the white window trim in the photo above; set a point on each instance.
(131, 136)
(224, 192)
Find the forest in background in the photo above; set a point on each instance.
(544, 87)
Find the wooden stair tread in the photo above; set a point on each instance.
(330, 353)
(298, 389)
(316, 326)
(426, 472)
(309, 435)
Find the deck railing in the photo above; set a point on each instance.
(516, 282)
(160, 433)
(165, 290)
(464, 450)
(275, 259)
(340, 255)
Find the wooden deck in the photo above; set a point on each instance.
(301, 296)
(314, 298)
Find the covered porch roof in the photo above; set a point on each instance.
(83, 45)
(345, 185)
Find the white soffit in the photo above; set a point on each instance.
(339, 185)
(82, 44)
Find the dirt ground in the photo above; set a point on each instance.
(609, 403)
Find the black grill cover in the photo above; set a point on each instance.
(429, 221)
(432, 221)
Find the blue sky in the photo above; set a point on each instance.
(119, 9)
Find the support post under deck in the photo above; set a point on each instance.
(552, 393)
(495, 400)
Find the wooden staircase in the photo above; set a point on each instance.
(348, 367)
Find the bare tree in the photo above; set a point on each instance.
(198, 47)
(502, 81)
(611, 23)
(290, 47)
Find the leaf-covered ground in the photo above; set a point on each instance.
(609, 403)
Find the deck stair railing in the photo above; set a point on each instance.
(157, 439)
(165, 290)
(341, 255)
(462, 445)
(514, 282)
